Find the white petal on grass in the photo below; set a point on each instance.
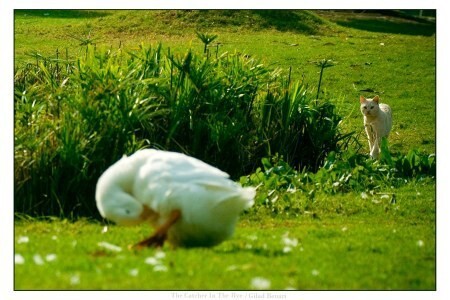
(134, 272)
(232, 268)
(344, 228)
(315, 272)
(384, 196)
(109, 246)
(50, 257)
(238, 267)
(23, 240)
(260, 283)
(420, 243)
(75, 279)
(152, 261)
(160, 255)
(160, 268)
(54, 237)
(287, 249)
(18, 259)
(38, 260)
(290, 242)
(252, 237)
(105, 229)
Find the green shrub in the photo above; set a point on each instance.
(75, 118)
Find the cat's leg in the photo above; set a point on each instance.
(375, 151)
(370, 138)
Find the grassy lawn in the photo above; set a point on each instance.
(369, 245)
(344, 241)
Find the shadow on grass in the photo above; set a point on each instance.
(62, 14)
(299, 21)
(256, 250)
(288, 20)
(391, 26)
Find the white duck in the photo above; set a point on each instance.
(188, 201)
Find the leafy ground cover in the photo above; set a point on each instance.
(353, 224)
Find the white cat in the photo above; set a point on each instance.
(377, 122)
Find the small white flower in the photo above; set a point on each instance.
(364, 195)
(50, 257)
(315, 272)
(109, 246)
(54, 237)
(420, 243)
(260, 283)
(23, 240)
(18, 259)
(105, 229)
(134, 272)
(381, 44)
(38, 260)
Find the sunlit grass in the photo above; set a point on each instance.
(369, 244)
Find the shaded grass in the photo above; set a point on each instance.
(378, 247)
(385, 21)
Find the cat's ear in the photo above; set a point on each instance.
(376, 99)
(362, 99)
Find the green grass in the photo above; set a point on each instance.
(345, 242)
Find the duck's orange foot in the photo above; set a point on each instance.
(158, 238)
(156, 241)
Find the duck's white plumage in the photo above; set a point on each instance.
(151, 184)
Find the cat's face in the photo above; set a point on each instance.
(369, 107)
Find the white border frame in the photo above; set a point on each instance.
(7, 131)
